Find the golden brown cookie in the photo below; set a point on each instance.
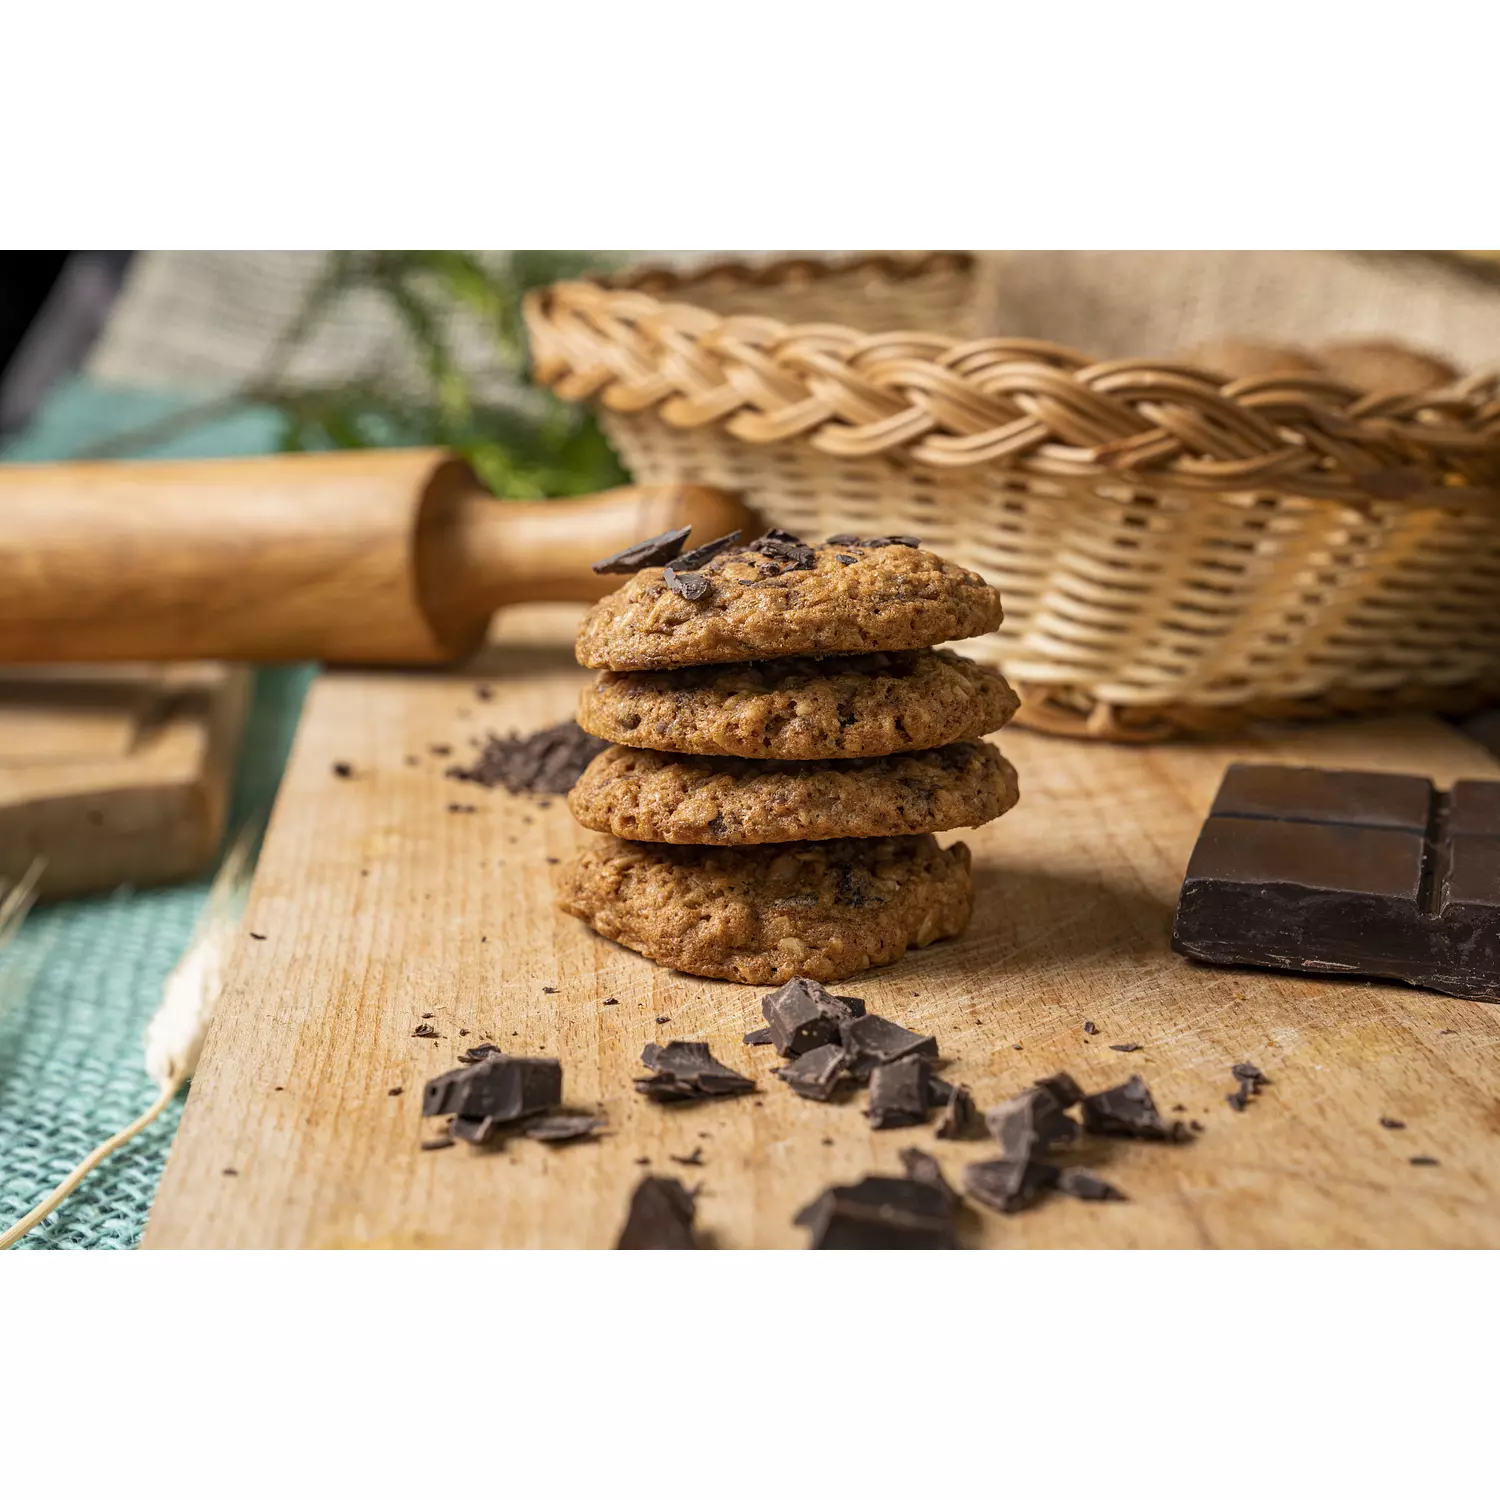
(707, 799)
(765, 915)
(787, 600)
(802, 708)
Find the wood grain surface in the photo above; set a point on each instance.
(378, 905)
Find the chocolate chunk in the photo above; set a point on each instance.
(550, 760)
(1424, 1161)
(894, 541)
(898, 1093)
(1391, 1124)
(654, 552)
(1343, 872)
(692, 586)
(763, 1037)
(1031, 1123)
(871, 1040)
(803, 1015)
(960, 1120)
(499, 1087)
(1124, 1046)
(660, 1217)
(881, 1213)
(939, 1091)
(1089, 1029)
(1064, 1088)
(1128, 1110)
(1080, 1184)
(920, 1167)
(691, 561)
(1008, 1185)
(557, 1130)
(688, 1070)
(817, 1074)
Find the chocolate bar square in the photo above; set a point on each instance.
(1348, 872)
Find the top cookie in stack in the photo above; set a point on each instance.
(786, 742)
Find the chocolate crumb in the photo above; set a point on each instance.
(663, 1020)
(559, 1129)
(484, 692)
(259, 937)
(845, 558)
(1392, 1124)
(1124, 1046)
(1128, 1110)
(438, 1143)
(549, 989)
(1090, 1029)
(440, 750)
(392, 1093)
(427, 1015)
(654, 552)
(551, 760)
(424, 1030)
(660, 1217)
(231, 1171)
(692, 586)
(1424, 1161)
(693, 1159)
(343, 770)
(1252, 1080)
(1447, 1031)
(552, 859)
(1016, 1047)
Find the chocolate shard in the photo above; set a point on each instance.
(557, 1130)
(479, 1053)
(688, 1070)
(1009, 1185)
(1345, 872)
(1129, 1110)
(960, 1120)
(894, 541)
(692, 586)
(881, 1213)
(1031, 1124)
(939, 1091)
(919, 1166)
(1063, 1087)
(497, 1087)
(763, 1037)
(654, 552)
(782, 546)
(817, 1074)
(1077, 1183)
(899, 1093)
(871, 1040)
(660, 1217)
(844, 539)
(803, 1015)
(691, 561)
(1251, 1081)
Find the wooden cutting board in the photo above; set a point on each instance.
(115, 775)
(377, 905)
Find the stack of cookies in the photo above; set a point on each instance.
(785, 743)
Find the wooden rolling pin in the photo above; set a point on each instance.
(378, 556)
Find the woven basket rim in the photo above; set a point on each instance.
(635, 341)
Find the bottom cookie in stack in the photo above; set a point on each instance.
(764, 914)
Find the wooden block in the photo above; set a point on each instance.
(116, 775)
(377, 904)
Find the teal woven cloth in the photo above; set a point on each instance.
(83, 978)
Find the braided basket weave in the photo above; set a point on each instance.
(1174, 553)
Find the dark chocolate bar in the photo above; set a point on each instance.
(1348, 872)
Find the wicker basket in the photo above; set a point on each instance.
(1175, 553)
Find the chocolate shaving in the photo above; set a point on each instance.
(660, 1217)
(1392, 1124)
(881, 1213)
(424, 1030)
(783, 547)
(652, 553)
(691, 561)
(1079, 1184)
(871, 1040)
(894, 541)
(551, 760)
(960, 1120)
(498, 1087)
(1424, 1161)
(1124, 1046)
(688, 1070)
(844, 539)
(899, 1093)
(803, 1015)
(557, 1130)
(1009, 1186)
(817, 1074)
(692, 586)
(1129, 1110)
(1252, 1081)
(920, 1167)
